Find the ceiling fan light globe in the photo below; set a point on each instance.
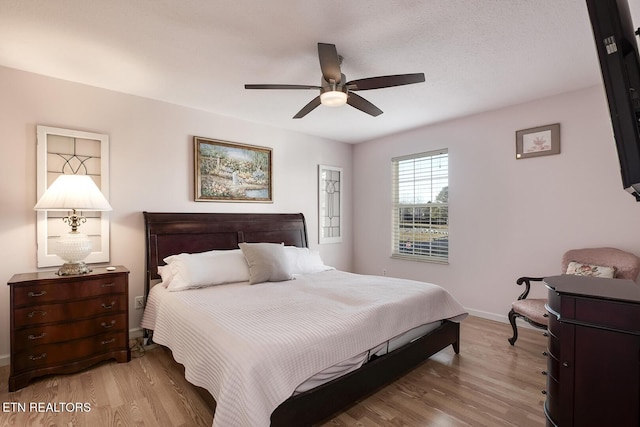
(333, 98)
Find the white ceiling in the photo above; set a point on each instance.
(477, 55)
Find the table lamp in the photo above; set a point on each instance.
(73, 193)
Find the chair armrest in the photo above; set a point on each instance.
(527, 283)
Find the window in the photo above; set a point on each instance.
(421, 206)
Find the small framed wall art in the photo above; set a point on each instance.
(231, 172)
(538, 141)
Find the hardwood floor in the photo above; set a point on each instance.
(490, 383)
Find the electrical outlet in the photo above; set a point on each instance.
(384, 272)
(140, 302)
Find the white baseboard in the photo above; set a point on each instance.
(135, 333)
(502, 318)
(487, 315)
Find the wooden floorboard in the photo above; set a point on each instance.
(490, 383)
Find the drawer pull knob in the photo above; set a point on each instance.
(113, 303)
(112, 340)
(108, 325)
(40, 312)
(108, 285)
(37, 337)
(544, 373)
(565, 364)
(545, 354)
(543, 391)
(545, 315)
(37, 294)
(544, 334)
(42, 356)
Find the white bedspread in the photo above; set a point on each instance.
(250, 346)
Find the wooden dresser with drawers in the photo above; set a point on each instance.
(593, 355)
(64, 324)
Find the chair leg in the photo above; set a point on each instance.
(512, 320)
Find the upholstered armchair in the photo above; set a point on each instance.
(600, 262)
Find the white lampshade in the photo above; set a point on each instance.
(333, 98)
(73, 193)
(69, 192)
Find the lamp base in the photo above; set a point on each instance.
(73, 269)
(73, 248)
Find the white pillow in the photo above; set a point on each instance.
(171, 258)
(207, 269)
(305, 260)
(268, 262)
(166, 274)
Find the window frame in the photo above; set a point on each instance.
(51, 162)
(423, 184)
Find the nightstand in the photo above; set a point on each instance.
(64, 324)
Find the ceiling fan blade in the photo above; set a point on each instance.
(363, 105)
(308, 108)
(385, 81)
(329, 62)
(280, 87)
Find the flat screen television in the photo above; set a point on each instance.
(615, 40)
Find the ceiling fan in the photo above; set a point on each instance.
(336, 91)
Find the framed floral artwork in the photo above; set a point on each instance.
(231, 172)
(538, 141)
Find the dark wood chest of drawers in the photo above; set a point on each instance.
(593, 356)
(63, 324)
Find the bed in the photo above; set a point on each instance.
(203, 355)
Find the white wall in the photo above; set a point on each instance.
(509, 217)
(151, 146)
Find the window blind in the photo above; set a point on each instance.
(421, 206)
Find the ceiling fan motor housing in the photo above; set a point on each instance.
(335, 90)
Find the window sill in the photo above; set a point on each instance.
(420, 259)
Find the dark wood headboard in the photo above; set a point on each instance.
(174, 233)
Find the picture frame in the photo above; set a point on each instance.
(231, 172)
(71, 151)
(538, 141)
(330, 190)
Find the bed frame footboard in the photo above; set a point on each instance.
(320, 403)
